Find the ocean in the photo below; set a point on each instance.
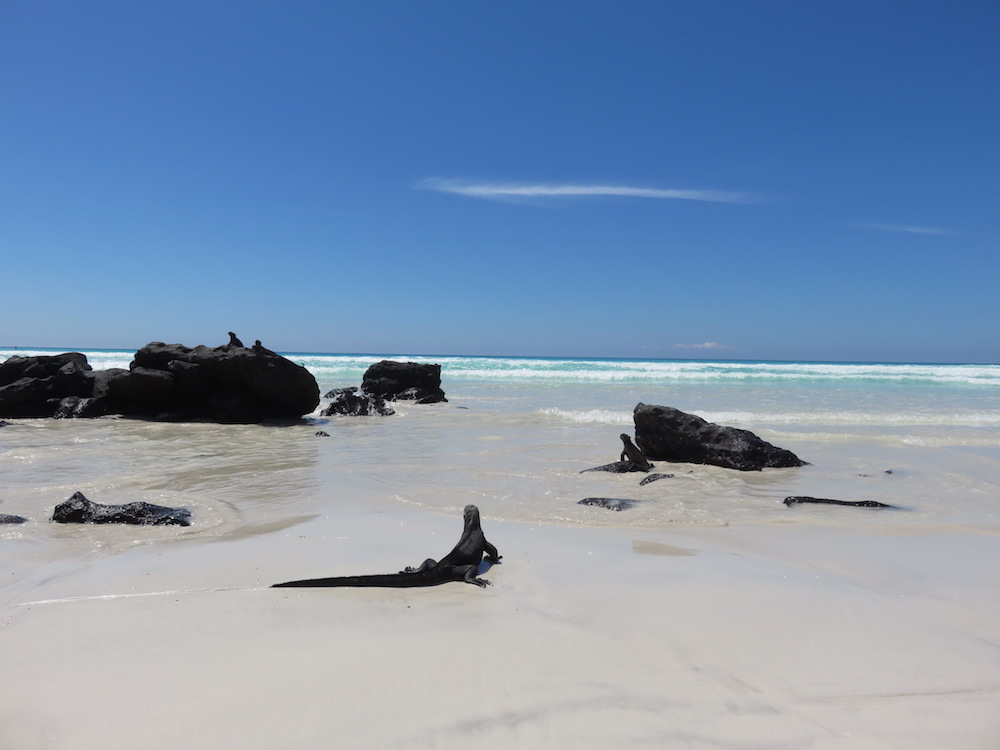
(516, 433)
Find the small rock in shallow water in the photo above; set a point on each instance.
(654, 477)
(78, 509)
(611, 503)
(6, 518)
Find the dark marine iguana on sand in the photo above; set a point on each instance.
(461, 564)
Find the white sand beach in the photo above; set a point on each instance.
(590, 637)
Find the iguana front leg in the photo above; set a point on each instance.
(471, 571)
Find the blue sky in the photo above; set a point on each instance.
(742, 179)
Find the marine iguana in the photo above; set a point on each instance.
(634, 454)
(261, 349)
(461, 564)
(796, 499)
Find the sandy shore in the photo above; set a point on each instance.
(594, 638)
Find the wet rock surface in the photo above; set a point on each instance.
(78, 509)
(668, 434)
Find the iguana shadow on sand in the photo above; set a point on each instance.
(461, 564)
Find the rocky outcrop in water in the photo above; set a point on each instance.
(230, 383)
(349, 402)
(78, 509)
(404, 381)
(6, 518)
(668, 434)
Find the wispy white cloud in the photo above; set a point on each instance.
(508, 191)
(901, 228)
(703, 345)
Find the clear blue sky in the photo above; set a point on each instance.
(743, 179)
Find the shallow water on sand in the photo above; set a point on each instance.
(517, 451)
(515, 446)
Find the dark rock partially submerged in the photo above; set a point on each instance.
(404, 381)
(654, 477)
(349, 402)
(78, 509)
(611, 503)
(668, 434)
(6, 518)
(798, 499)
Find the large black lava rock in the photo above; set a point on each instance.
(222, 384)
(230, 383)
(78, 509)
(668, 434)
(409, 381)
(34, 386)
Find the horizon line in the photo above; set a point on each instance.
(547, 356)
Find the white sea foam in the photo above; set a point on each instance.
(665, 371)
(527, 369)
(795, 418)
(592, 416)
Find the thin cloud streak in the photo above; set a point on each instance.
(501, 191)
(903, 228)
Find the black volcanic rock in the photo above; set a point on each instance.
(654, 477)
(34, 386)
(228, 383)
(222, 384)
(16, 367)
(610, 503)
(348, 402)
(78, 509)
(77, 406)
(6, 518)
(409, 381)
(668, 434)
